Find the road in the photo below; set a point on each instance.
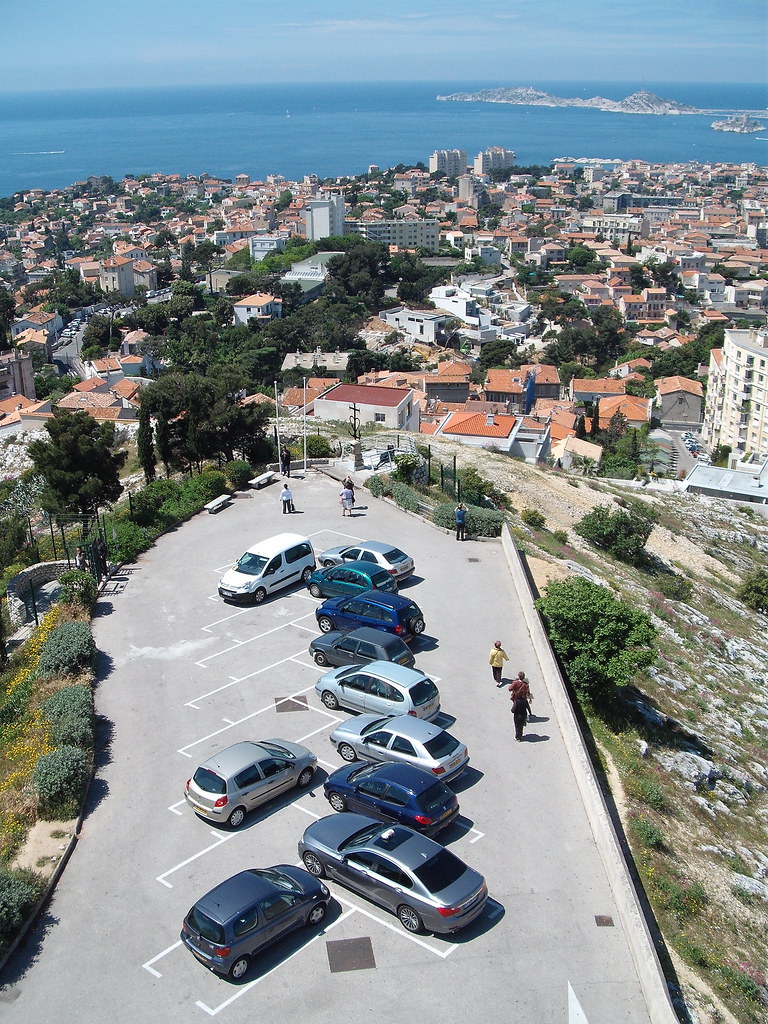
(182, 675)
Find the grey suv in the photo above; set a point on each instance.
(229, 784)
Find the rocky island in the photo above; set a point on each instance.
(739, 123)
(641, 102)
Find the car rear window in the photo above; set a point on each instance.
(410, 610)
(205, 927)
(380, 577)
(435, 797)
(423, 692)
(443, 745)
(395, 555)
(209, 781)
(251, 564)
(440, 871)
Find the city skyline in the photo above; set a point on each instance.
(181, 42)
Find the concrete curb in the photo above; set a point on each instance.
(639, 939)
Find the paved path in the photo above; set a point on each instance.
(184, 675)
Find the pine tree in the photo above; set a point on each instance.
(145, 446)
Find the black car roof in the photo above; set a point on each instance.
(232, 896)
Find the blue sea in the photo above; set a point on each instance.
(49, 140)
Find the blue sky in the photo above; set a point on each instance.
(52, 44)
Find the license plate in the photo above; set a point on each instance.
(456, 761)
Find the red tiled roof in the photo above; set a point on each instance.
(366, 394)
(475, 424)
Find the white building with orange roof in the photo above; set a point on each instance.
(259, 306)
(585, 389)
(116, 275)
(637, 411)
(679, 402)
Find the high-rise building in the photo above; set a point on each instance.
(495, 158)
(411, 233)
(448, 161)
(736, 410)
(324, 217)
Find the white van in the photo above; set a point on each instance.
(268, 566)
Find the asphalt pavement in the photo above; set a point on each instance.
(183, 675)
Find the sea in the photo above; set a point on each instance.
(50, 140)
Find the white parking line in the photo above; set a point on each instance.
(306, 810)
(309, 629)
(397, 929)
(237, 679)
(314, 732)
(297, 661)
(219, 840)
(173, 807)
(225, 618)
(478, 835)
(246, 718)
(212, 1011)
(148, 965)
(250, 640)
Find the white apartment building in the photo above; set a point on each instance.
(324, 218)
(495, 158)
(406, 234)
(736, 410)
(452, 162)
(264, 245)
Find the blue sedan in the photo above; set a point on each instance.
(393, 792)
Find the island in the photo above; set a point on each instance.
(641, 102)
(740, 123)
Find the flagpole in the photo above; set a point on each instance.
(305, 426)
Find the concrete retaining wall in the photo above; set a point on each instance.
(640, 941)
(20, 586)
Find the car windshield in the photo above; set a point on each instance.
(276, 750)
(205, 927)
(279, 879)
(435, 797)
(209, 781)
(423, 691)
(251, 564)
(373, 726)
(361, 838)
(395, 555)
(442, 745)
(440, 871)
(362, 773)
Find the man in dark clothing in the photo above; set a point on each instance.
(460, 514)
(520, 709)
(285, 461)
(519, 688)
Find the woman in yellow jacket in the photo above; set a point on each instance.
(496, 659)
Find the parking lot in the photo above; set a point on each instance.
(183, 675)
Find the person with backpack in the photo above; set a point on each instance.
(519, 687)
(521, 709)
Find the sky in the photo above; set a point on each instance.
(91, 44)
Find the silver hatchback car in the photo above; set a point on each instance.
(247, 774)
(389, 557)
(380, 688)
(404, 738)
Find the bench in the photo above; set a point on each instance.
(218, 503)
(266, 478)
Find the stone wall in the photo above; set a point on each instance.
(19, 593)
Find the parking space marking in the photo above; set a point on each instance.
(250, 640)
(397, 929)
(219, 840)
(297, 661)
(309, 629)
(314, 732)
(478, 835)
(327, 764)
(238, 679)
(212, 1011)
(148, 965)
(173, 807)
(246, 718)
(306, 810)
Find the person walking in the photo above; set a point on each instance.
(286, 496)
(496, 659)
(347, 499)
(80, 560)
(519, 687)
(520, 710)
(460, 515)
(285, 461)
(101, 552)
(348, 483)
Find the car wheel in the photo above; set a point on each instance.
(236, 818)
(417, 626)
(328, 563)
(330, 700)
(337, 801)
(239, 967)
(314, 865)
(409, 919)
(325, 624)
(317, 913)
(320, 658)
(306, 574)
(315, 590)
(259, 595)
(347, 752)
(305, 778)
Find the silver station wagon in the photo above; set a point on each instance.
(380, 688)
(406, 739)
(247, 774)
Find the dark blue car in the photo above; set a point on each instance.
(389, 612)
(393, 792)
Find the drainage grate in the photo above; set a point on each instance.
(473, 559)
(603, 921)
(283, 704)
(350, 955)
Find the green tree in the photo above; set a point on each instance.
(622, 533)
(754, 591)
(7, 313)
(145, 448)
(601, 640)
(78, 463)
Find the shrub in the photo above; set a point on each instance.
(60, 778)
(406, 464)
(674, 586)
(78, 587)
(19, 891)
(146, 503)
(239, 473)
(70, 712)
(375, 485)
(622, 533)
(646, 832)
(206, 486)
(533, 518)
(560, 536)
(130, 540)
(754, 590)
(69, 649)
(406, 497)
(319, 447)
(481, 522)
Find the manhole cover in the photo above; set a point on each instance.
(473, 559)
(350, 955)
(283, 704)
(603, 921)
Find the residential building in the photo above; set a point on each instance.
(420, 325)
(16, 376)
(264, 245)
(451, 162)
(679, 402)
(311, 274)
(571, 447)
(334, 364)
(37, 320)
(736, 412)
(324, 218)
(116, 275)
(393, 408)
(584, 389)
(257, 307)
(495, 158)
(405, 234)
